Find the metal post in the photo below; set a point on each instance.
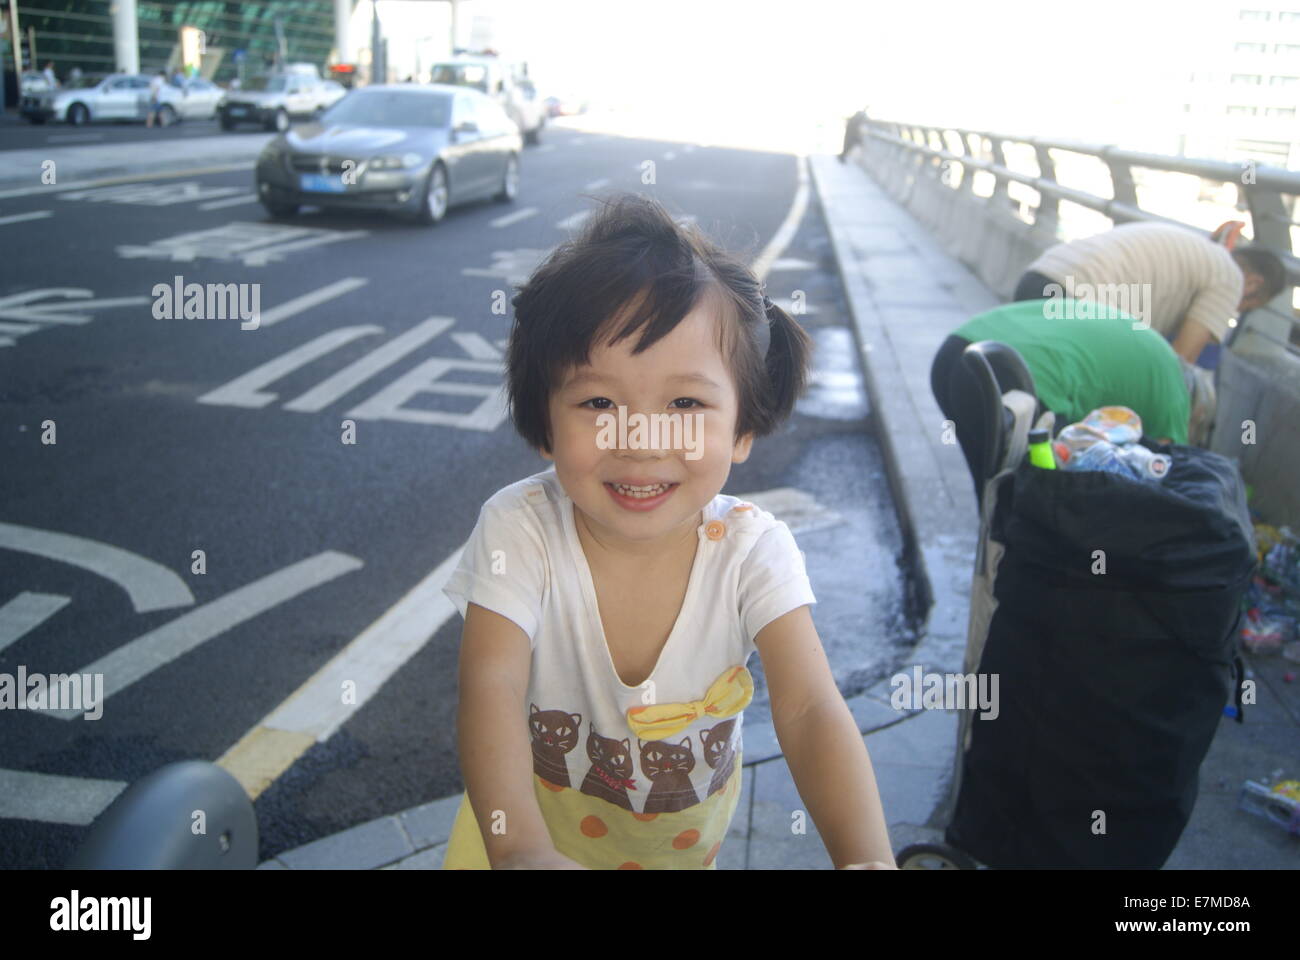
(15, 32)
(126, 38)
(342, 22)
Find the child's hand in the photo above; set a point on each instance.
(539, 860)
(871, 865)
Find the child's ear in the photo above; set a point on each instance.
(740, 453)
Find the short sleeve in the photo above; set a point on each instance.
(1218, 300)
(773, 580)
(502, 567)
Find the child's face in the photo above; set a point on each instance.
(667, 379)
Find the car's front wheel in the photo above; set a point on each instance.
(78, 114)
(510, 182)
(166, 116)
(278, 209)
(280, 122)
(436, 196)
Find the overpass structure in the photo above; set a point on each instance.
(997, 201)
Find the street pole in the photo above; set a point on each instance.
(15, 33)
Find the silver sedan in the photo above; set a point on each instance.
(411, 150)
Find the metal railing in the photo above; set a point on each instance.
(932, 171)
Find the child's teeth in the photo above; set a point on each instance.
(641, 492)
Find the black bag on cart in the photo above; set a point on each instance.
(1110, 609)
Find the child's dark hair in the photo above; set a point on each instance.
(632, 260)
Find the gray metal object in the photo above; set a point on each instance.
(190, 815)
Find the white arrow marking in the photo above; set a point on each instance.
(157, 648)
(245, 391)
(476, 347)
(150, 585)
(574, 221)
(20, 217)
(228, 202)
(26, 612)
(19, 306)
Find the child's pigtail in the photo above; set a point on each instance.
(789, 352)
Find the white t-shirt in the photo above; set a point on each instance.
(155, 88)
(609, 797)
(1183, 274)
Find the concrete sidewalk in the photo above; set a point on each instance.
(906, 294)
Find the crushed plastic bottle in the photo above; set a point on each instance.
(1131, 460)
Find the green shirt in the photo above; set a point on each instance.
(1085, 355)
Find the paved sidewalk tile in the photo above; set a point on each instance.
(364, 847)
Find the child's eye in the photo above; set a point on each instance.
(597, 401)
(678, 403)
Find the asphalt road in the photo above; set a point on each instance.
(180, 435)
(18, 134)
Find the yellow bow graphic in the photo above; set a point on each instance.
(728, 695)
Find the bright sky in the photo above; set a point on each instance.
(1095, 70)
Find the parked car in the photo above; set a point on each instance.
(34, 83)
(118, 96)
(565, 106)
(275, 100)
(334, 92)
(504, 82)
(194, 99)
(403, 148)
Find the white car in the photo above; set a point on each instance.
(194, 99)
(118, 96)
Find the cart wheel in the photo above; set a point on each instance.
(933, 856)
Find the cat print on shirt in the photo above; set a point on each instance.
(611, 770)
(555, 733)
(668, 766)
(719, 754)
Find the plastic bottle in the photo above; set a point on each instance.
(1131, 460)
(1145, 464)
(1040, 449)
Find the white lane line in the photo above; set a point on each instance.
(228, 202)
(244, 390)
(26, 612)
(260, 258)
(574, 221)
(785, 233)
(791, 263)
(150, 585)
(52, 799)
(597, 184)
(313, 712)
(515, 217)
(298, 304)
(350, 377)
(21, 217)
(159, 647)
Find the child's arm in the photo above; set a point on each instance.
(822, 743)
(495, 755)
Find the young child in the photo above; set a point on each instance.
(612, 602)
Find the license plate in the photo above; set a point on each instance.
(238, 111)
(318, 183)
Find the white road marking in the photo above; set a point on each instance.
(151, 194)
(515, 217)
(791, 263)
(229, 202)
(134, 178)
(298, 304)
(52, 799)
(150, 585)
(244, 391)
(21, 217)
(350, 377)
(504, 344)
(513, 266)
(26, 612)
(427, 378)
(475, 346)
(255, 244)
(159, 647)
(19, 306)
(598, 184)
(574, 221)
(785, 233)
(315, 711)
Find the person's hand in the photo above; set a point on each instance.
(870, 865)
(538, 860)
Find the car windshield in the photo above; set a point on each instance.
(390, 108)
(460, 75)
(82, 83)
(266, 85)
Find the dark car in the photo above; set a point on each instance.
(412, 150)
